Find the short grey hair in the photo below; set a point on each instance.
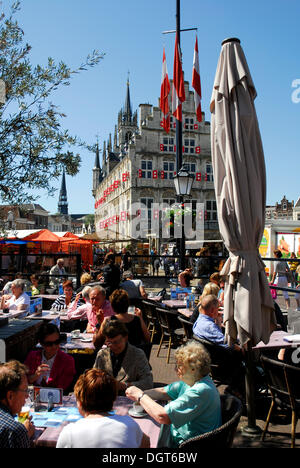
(127, 274)
(19, 283)
(86, 292)
(194, 355)
(98, 288)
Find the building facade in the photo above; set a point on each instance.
(138, 167)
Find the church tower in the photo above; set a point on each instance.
(97, 172)
(127, 122)
(62, 207)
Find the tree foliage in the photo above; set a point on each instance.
(34, 146)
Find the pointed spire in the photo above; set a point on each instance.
(63, 200)
(127, 116)
(97, 161)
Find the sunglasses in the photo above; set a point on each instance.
(51, 343)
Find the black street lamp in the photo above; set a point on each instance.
(183, 182)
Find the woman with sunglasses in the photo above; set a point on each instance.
(50, 366)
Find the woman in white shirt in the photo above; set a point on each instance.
(95, 392)
(19, 301)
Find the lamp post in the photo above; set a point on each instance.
(183, 182)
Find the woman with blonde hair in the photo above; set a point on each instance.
(209, 288)
(193, 401)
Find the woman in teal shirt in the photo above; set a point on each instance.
(193, 406)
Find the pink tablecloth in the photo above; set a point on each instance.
(150, 427)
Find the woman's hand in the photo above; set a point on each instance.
(133, 393)
(42, 369)
(138, 312)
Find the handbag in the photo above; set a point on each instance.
(273, 291)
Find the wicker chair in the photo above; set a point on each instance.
(223, 436)
(187, 327)
(283, 383)
(170, 329)
(149, 311)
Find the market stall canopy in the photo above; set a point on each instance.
(44, 235)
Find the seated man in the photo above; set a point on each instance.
(19, 301)
(208, 327)
(134, 288)
(125, 362)
(101, 307)
(13, 393)
(57, 273)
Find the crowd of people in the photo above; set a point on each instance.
(121, 366)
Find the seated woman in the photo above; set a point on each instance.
(35, 286)
(49, 366)
(138, 333)
(194, 405)
(19, 300)
(64, 300)
(124, 361)
(95, 392)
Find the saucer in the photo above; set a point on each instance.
(134, 414)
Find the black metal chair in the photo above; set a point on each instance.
(187, 327)
(223, 436)
(283, 383)
(150, 315)
(226, 364)
(168, 320)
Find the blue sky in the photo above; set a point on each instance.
(130, 34)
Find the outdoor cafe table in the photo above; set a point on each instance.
(48, 437)
(276, 341)
(174, 303)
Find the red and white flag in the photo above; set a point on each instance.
(164, 95)
(196, 83)
(178, 94)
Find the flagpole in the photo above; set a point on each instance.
(179, 159)
(181, 240)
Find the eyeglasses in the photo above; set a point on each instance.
(115, 342)
(51, 343)
(23, 391)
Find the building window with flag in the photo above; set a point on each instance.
(146, 169)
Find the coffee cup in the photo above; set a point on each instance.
(75, 333)
(138, 408)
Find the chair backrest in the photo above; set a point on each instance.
(149, 309)
(231, 408)
(283, 381)
(187, 327)
(221, 361)
(163, 318)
